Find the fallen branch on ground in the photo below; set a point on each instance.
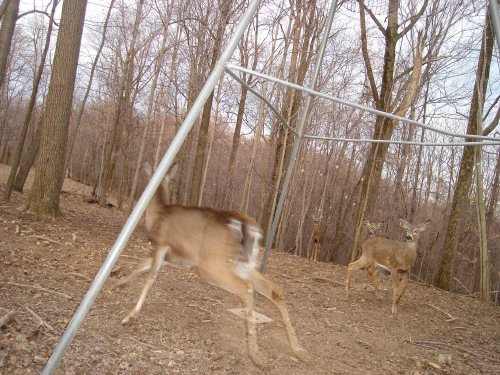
(325, 280)
(36, 287)
(40, 320)
(44, 238)
(450, 317)
(437, 343)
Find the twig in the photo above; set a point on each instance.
(80, 275)
(143, 343)
(450, 317)
(44, 238)
(436, 343)
(40, 320)
(36, 287)
(463, 286)
(6, 318)
(324, 279)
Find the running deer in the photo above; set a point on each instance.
(220, 246)
(317, 239)
(398, 256)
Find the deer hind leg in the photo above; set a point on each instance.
(158, 257)
(144, 267)
(373, 274)
(360, 263)
(404, 285)
(395, 282)
(222, 276)
(316, 251)
(274, 293)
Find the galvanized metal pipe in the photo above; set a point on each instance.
(358, 106)
(495, 20)
(298, 137)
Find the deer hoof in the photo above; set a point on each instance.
(128, 320)
(302, 354)
(257, 359)
(394, 309)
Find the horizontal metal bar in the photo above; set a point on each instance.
(256, 93)
(415, 143)
(358, 106)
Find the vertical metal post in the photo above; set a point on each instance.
(146, 196)
(495, 20)
(298, 138)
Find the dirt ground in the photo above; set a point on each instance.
(185, 326)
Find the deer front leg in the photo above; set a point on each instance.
(221, 275)
(404, 284)
(274, 293)
(360, 263)
(158, 258)
(373, 274)
(395, 282)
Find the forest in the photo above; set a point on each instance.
(332, 135)
(96, 102)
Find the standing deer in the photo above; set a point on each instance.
(398, 256)
(220, 246)
(317, 239)
(373, 229)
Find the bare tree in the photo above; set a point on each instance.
(462, 189)
(49, 174)
(10, 10)
(16, 158)
(384, 101)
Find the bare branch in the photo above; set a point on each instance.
(38, 11)
(414, 20)
(366, 57)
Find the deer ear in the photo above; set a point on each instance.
(172, 171)
(403, 223)
(147, 169)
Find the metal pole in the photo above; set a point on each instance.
(495, 20)
(146, 196)
(357, 106)
(298, 138)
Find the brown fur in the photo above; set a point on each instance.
(221, 247)
(398, 256)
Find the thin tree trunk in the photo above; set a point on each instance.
(89, 86)
(123, 104)
(454, 227)
(199, 161)
(9, 19)
(151, 100)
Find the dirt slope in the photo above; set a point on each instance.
(184, 327)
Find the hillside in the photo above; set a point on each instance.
(185, 325)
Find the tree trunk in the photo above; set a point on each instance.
(462, 189)
(89, 86)
(120, 115)
(9, 19)
(49, 174)
(199, 161)
(384, 127)
(16, 157)
(145, 132)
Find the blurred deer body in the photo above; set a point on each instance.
(398, 256)
(220, 246)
